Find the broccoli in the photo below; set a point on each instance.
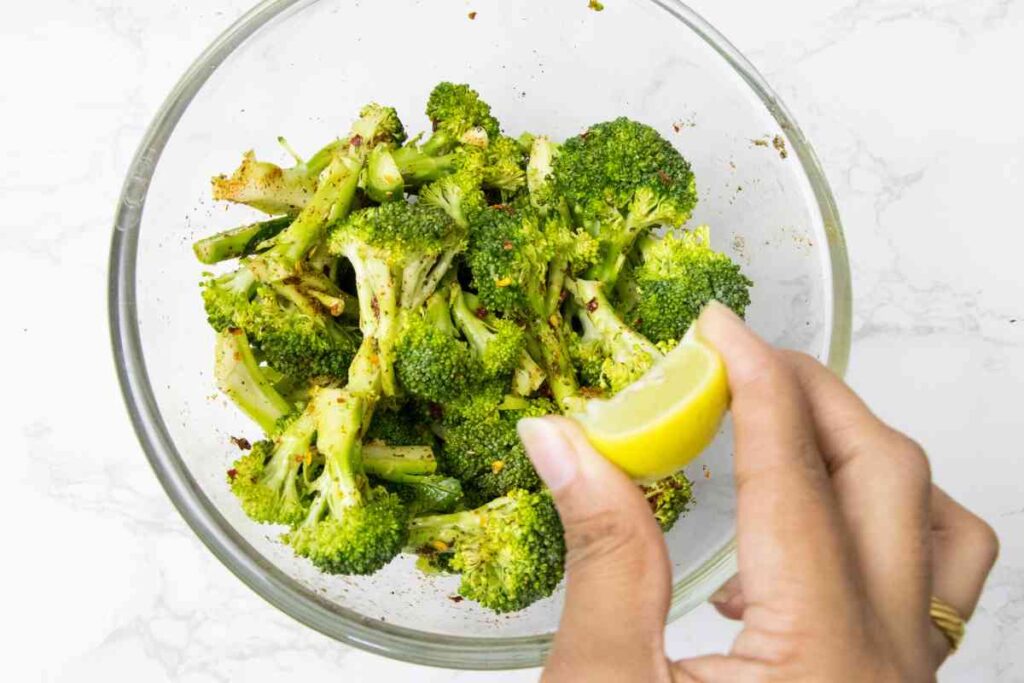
(431, 362)
(400, 252)
(240, 377)
(267, 480)
(270, 188)
(383, 181)
(459, 194)
(241, 241)
(627, 353)
(500, 345)
(504, 165)
(458, 116)
(482, 448)
(411, 472)
(620, 179)
(510, 552)
(669, 498)
(351, 527)
(676, 277)
(515, 256)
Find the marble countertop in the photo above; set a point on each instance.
(924, 148)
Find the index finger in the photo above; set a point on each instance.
(794, 557)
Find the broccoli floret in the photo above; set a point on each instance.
(482, 448)
(458, 116)
(628, 354)
(301, 342)
(431, 362)
(399, 252)
(239, 376)
(267, 480)
(459, 195)
(621, 178)
(669, 498)
(676, 277)
(500, 345)
(510, 552)
(398, 424)
(518, 261)
(351, 527)
(504, 165)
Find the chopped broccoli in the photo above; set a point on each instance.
(500, 345)
(241, 241)
(400, 252)
(351, 526)
(669, 498)
(622, 178)
(676, 277)
(240, 377)
(267, 479)
(431, 362)
(510, 552)
(627, 353)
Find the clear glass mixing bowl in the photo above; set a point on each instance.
(302, 69)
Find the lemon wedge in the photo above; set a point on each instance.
(661, 422)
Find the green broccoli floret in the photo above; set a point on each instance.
(500, 345)
(621, 178)
(518, 261)
(504, 165)
(351, 527)
(240, 376)
(399, 252)
(676, 277)
(267, 479)
(628, 354)
(431, 362)
(383, 181)
(459, 194)
(482, 448)
(458, 116)
(510, 552)
(669, 498)
(398, 424)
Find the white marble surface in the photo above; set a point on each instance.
(921, 139)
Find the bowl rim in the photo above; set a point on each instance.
(269, 582)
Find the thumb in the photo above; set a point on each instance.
(618, 578)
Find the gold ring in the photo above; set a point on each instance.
(948, 621)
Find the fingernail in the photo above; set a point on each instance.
(551, 453)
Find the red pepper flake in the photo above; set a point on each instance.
(592, 305)
(456, 598)
(481, 312)
(375, 305)
(356, 140)
(232, 473)
(472, 15)
(562, 296)
(664, 178)
(235, 331)
(507, 245)
(242, 443)
(585, 134)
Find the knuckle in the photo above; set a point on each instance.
(910, 458)
(599, 535)
(984, 540)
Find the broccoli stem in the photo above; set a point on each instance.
(418, 167)
(439, 533)
(384, 181)
(239, 376)
(620, 341)
(238, 242)
(557, 364)
(388, 462)
(332, 201)
(339, 422)
(282, 472)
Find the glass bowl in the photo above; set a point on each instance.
(302, 69)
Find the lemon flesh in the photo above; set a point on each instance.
(661, 422)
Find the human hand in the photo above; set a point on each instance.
(842, 539)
